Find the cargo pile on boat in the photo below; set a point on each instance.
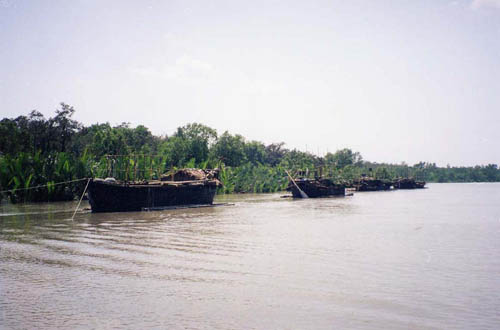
(190, 174)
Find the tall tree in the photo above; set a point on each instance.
(63, 127)
(274, 153)
(255, 152)
(198, 139)
(343, 158)
(230, 149)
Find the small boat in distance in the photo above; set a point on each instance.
(182, 187)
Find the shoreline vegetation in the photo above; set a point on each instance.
(36, 151)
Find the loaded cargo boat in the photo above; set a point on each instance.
(408, 183)
(182, 187)
(371, 184)
(319, 187)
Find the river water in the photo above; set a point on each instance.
(421, 259)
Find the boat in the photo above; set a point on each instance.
(408, 183)
(182, 187)
(313, 188)
(371, 184)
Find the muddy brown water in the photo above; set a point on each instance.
(416, 259)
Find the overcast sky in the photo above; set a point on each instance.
(395, 80)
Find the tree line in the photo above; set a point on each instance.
(35, 150)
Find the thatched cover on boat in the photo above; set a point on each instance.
(189, 174)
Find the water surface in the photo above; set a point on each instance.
(418, 259)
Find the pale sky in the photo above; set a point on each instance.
(395, 80)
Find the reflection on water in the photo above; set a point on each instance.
(399, 259)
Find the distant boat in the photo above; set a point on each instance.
(408, 183)
(184, 187)
(371, 184)
(315, 188)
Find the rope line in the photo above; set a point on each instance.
(45, 185)
(84, 190)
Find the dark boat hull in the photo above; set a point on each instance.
(120, 197)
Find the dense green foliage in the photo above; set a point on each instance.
(38, 151)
